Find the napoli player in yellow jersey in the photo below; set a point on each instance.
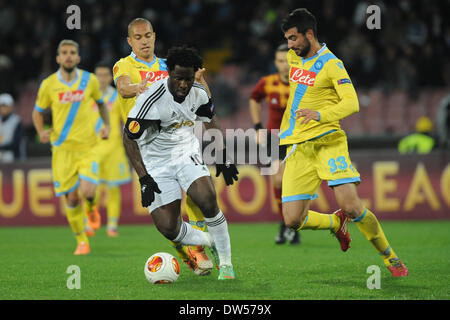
(69, 92)
(321, 95)
(114, 169)
(132, 75)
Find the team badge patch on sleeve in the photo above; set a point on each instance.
(134, 126)
(342, 81)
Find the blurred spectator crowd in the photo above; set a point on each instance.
(410, 52)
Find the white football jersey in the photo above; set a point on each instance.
(173, 139)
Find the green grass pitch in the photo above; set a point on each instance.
(34, 261)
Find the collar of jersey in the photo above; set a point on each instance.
(321, 50)
(69, 84)
(148, 64)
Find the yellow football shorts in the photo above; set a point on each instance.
(69, 166)
(308, 163)
(113, 163)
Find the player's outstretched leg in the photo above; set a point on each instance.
(181, 234)
(113, 211)
(204, 196)
(297, 216)
(75, 216)
(369, 226)
(197, 220)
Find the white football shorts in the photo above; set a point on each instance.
(175, 175)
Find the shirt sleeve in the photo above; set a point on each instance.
(258, 92)
(119, 69)
(348, 100)
(205, 112)
(141, 116)
(43, 99)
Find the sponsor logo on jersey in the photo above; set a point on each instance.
(302, 76)
(116, 68)
(71, 96)
(187, 123)
(153, 75)
(134, 126)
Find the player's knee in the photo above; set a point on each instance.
(72, 199)
(292, 222)
(351, 208)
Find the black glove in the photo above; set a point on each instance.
(228, 170)
(148, 189)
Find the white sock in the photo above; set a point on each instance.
(218, 228)
(192, 237)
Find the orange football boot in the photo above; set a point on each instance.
(82, 249)
(94, 219)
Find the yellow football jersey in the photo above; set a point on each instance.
(71, 105)
(318, 83)
(137, 70)
(109, 98)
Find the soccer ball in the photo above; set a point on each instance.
(162, 267)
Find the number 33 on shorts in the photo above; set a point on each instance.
(338, 163)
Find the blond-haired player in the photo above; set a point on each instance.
(69, 93)
(132, 75)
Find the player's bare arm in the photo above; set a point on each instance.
(129, 90)
(148, 185)
(104, 114)
(134, 155)
(38, 122)
(255, 112)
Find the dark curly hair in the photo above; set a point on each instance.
(183, 56)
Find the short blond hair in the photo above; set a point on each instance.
(68, 42)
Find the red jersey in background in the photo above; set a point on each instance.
(276, 94)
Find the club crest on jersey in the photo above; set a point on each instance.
(71, 96)
(153, 75)
(134, 126)
(302, 76)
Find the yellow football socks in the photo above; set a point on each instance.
(320, 221)
(113, 206)
(195, 215)
(180, 250)
(90, 204)
(369, 226)
(197, 220)
(75, 217)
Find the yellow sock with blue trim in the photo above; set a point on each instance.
(195, 215)
(90, 203)
(180, 250)
(113, 206)
(369, 226)
(320, 221)
(75, 217)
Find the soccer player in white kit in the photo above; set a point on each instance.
(160, 142)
